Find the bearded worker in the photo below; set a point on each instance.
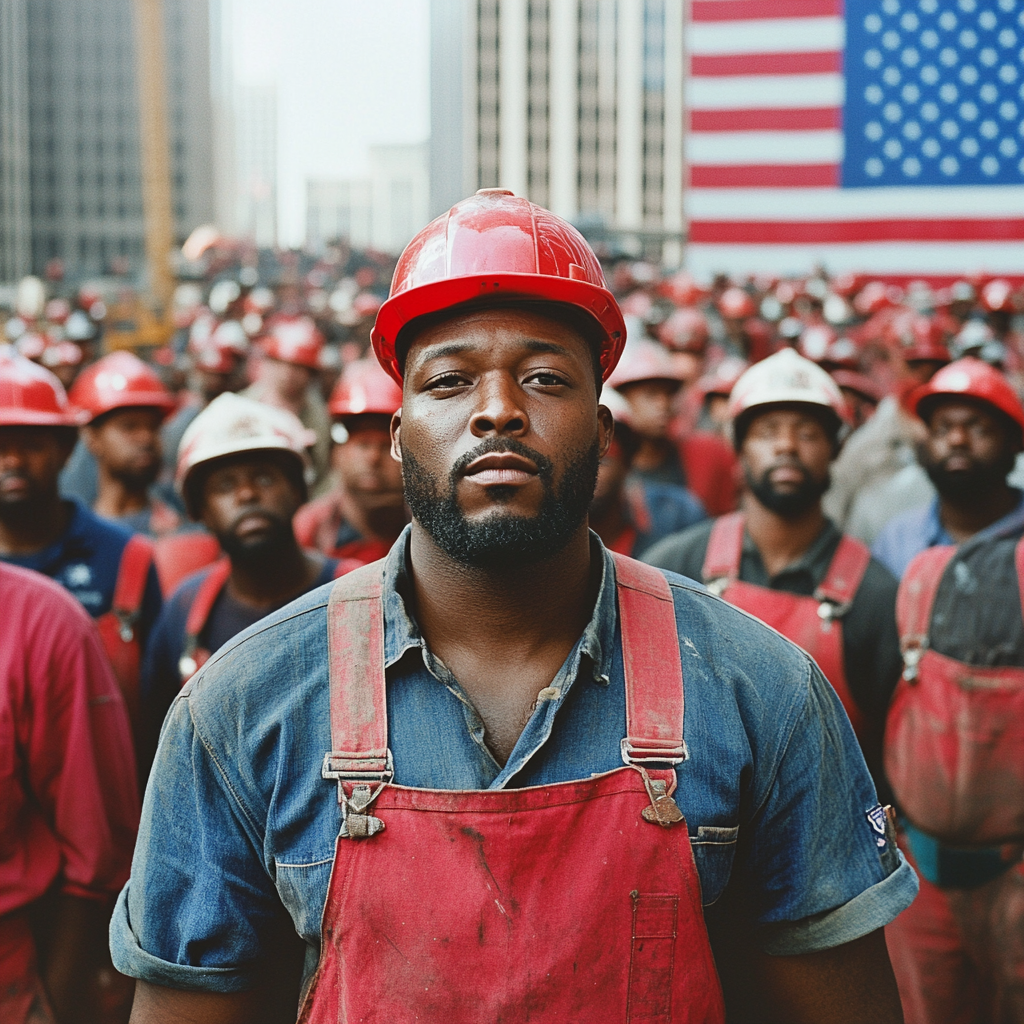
(463, 776)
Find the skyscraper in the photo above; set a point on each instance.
(576, 104)
(15, 243)
(82, 130)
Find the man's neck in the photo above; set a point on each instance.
(115, 498)
(781, 541)
(383, 522)
(962, 520)
(27, 534)
(275, 578)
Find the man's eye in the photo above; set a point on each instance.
(446, 380)
(547, 379)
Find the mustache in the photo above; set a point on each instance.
(491, 445)
(254, 510)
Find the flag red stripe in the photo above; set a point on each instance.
(820, 62)
(813, 232)
(745, 10)
(764, 175)
(781, 119)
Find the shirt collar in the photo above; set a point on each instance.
(402, 632)
(829, 534)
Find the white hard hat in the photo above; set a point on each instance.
(231, 424)
(787, 378)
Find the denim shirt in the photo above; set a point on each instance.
(238, 827)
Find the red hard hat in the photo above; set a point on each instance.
(489, 246)
(364, 387)
(876, 295)
(918, 337)
(997, 296)
(119, 381)
(294, 340)
(686, 330)
(682, 289)
(735, 304)
(31, 396)
(861, 383)
(645, 360)
(970, 378)
(217, 349)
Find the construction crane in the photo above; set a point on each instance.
(156, 164)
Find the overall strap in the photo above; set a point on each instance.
(914, 602)
(653, 668)
(206, 596)
(845, 572)
(130, 587)
(725, 549)
(355, 645)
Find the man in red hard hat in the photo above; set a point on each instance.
(104, 565)
(287, 379)
(432, 770)
(974, 423)
(649, 378)
(746, 335)
(70, 804)
(782, 559)
(362, 517)
(126, 403)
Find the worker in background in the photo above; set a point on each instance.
(287, 379)
(242, 474)
(69, 809)
(953, 754)
(974, 422)
(781, 559)
(126, 404)
(365, 512)
(109, 569)
(217, 354)
(494, 832)
(650, 380)
(630, 514)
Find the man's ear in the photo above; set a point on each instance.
(606, 429)
(88, 435)
(396, 436)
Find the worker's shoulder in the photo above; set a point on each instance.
(683, 552)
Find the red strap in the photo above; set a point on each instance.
(916, 595)
(654, 671)
(845, 572)
(132, 574)
(206, 596)
(1018, 557)
(725, 549)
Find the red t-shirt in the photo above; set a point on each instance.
(69, 802)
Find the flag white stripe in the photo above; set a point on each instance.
(803, 204)
(757, 92)
(812, 147)
(869, 257)
(773, 35)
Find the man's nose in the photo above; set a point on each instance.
(499, 407)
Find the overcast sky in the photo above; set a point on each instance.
(349, 74)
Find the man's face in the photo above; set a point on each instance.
(785, 456)
(31, 459)
(364, 464)
(500, 435)
(651, 405)
(288, 380)
(970, 448)
(126, 443)
(212, 384)
(247, 502)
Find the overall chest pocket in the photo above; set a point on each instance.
(714, 850)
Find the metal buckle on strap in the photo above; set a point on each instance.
(913, 651)
(358, 766)
(126, 624)
(718, 585)
(645, 755)
(362, 769)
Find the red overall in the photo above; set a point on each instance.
(812, 622)
(178, 555)
(194, 657)
(574, 902)
(118, 626)
(954, 753)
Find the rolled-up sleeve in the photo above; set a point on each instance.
(199, 905)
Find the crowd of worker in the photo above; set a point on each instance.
(837, 456)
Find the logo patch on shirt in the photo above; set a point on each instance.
(79, 575)
(876, 819)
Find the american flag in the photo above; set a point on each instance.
(886, 138)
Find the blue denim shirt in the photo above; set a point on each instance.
(238, 823)
(910, 533)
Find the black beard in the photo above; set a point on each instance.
(789, 504)
(966, 486)
(261, 550)
(503, 542)
(138, 480)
